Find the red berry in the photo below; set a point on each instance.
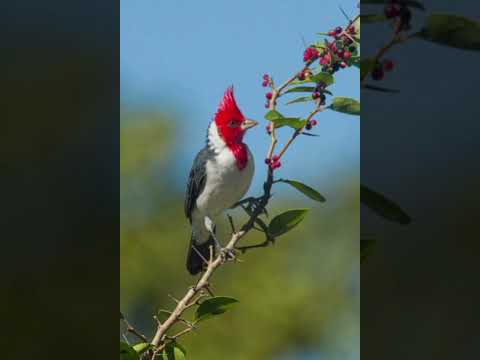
(347, 55)
(310, 54)
(388, 65)
(269, 128)
(351, 30)
(276, 164)
(275, 158)
(332, 33)
(268, 95)
(313, 122)
(315, 95)
(325, 60)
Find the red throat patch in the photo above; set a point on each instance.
(241, 154)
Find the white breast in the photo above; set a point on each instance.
(225, 183)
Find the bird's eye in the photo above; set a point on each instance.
(233, 123)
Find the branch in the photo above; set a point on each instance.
(213, 264)
(299, 131)
(276, 93)
(161, 338)
(132, 330)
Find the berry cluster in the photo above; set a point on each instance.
(336, 53)
(398, 9)
(332, 56)
(274, 162)
(378, 71)
(267, 81)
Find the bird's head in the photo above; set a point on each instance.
(231, 123)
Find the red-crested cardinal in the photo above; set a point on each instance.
(220, 176)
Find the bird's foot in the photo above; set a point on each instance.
(250, 203)
(228, 254)
(254, 204)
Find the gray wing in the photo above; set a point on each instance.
(196, 182)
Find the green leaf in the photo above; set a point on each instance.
(382, 206)
(173, 351)
(304, 89)
(142, 347)
(372, 18)
(286, 221)
(305, 189)
(452, 30)
(345, 105)
(366, 248)
(320, 45)
(279, 120)
(300, 100)
(366, 66)
(411, 3)
(295, 123)
(300, 89)
(273, 114)
(355, 61)
(327, 78)
(214, 306)
(127, 352)
(381, 89)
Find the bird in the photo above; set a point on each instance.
(220, 176)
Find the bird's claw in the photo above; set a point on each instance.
(228, 254)
(254, 204)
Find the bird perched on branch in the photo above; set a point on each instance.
(220, 176)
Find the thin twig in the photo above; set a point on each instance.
(299, 131)
(132, 330)
(183, 332)
(232, 225)
(203, 283)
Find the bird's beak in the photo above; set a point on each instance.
(248, 123)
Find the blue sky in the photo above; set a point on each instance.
(180, 56)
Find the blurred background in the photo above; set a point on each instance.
(420, 148)
(298, 299)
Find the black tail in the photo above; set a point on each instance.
(196, 256)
